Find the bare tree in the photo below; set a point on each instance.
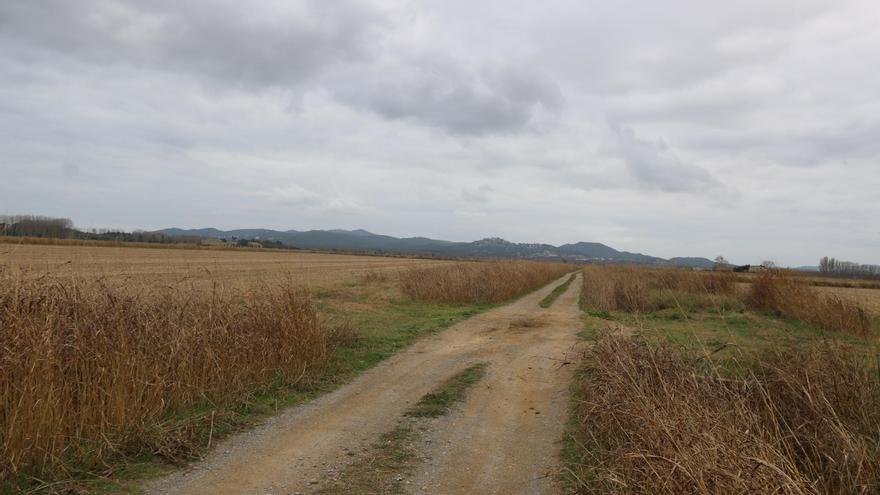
(832, 266)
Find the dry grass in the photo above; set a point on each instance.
(89, 371)
(111, 354)
(658, 416)
(479, 282)
(658, 420)
(866, 298)
(614, 288)
(200, 268)
(55, 241)
(640, 289)
(374, 277)
(778, 292)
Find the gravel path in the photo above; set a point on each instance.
(505, 438)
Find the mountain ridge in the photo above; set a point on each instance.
(489, 247)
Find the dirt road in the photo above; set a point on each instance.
(505, 438)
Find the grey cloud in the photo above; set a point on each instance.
(477, 194)
(389, 115)
(453, 98)
(633, 45)
(225, 41)
(796, 147)
(655, 165)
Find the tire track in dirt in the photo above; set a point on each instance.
(505, 438)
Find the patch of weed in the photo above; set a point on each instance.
(558, 291)
(438, 402)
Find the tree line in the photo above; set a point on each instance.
(63, 228)
(833, 266)
(36, 226)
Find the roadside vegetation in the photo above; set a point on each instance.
(697, 384)
(644, 290)
(479, 282)
(785, 295)
(659, 419)
(89, 372)
(106, 380)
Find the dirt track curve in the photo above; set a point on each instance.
(504, 438)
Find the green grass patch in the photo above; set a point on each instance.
(383, 468)
(605, 315)
(438, 402)
(592, 326)
(558, 291)
(573, 446)
(730, 336)
(380, 331)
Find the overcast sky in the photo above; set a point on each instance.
(749, 129)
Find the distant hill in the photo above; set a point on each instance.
(694, 262)
(492, 247)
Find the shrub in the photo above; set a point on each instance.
(479, 282)
(659, 420)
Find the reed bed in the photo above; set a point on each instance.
(89, 371)
(657, 419)
(639, 289)
(479, 282)
(779, 292)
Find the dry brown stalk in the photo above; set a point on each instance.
(479, 282)
(88, 370)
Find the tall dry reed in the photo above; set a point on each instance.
(779, 292)
(609, 288)
(479, 282)
(639, 289)
(88, 371)
(658, 420)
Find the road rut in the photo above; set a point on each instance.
(505, 438)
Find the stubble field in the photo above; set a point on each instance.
(159, 267)
(867, 298)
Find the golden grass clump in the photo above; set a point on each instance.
(640, 289)
(88, 370)
(779, 292)
(479, 282)
(615, 287)
(659, 420)
(373, 277)
(691, 281)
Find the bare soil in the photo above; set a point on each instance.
(504, 438)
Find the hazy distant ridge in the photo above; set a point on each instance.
(493, 247)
